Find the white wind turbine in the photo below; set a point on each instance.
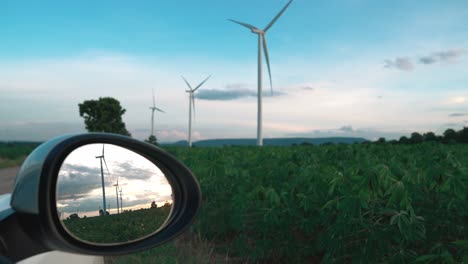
(102, 158)
(154, 108)
(262, 42)
(191, 92)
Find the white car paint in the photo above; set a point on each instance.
(58, 257)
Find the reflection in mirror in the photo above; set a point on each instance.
(109, 194)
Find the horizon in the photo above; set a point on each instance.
(360, 69)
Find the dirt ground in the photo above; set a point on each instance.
(7, 177)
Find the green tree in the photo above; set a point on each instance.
(404, 140)
(416, 138)
(450, 135)
(73, 216)
(103, 115)
(430, 136)
(152, 140)
(381, 140)
(463, 135)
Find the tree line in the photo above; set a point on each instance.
(450, 136)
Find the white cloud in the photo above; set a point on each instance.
(457, 100)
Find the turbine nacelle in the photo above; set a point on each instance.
(258, 31)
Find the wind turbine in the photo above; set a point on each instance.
(101, 158)
(116, 189)
(262, 42)
(154, 108)
(121, 204)
(192, 104)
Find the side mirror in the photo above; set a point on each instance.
(97, 194)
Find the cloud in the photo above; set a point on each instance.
(232, 92)
(130, 172)
(349, 131)
(76, 181)
(224, 95)
(308, 88)
(457, 100)
(346, 129)
(406, 63)
(457, 114)
(441, 56)
(402, 63)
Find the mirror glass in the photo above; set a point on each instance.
(107, 194)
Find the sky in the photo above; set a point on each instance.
(79, 185)
(339, 68)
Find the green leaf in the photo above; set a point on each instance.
(426, 258)
(461, 244)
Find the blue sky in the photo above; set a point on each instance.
(381, 68)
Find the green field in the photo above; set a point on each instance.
(118, 228)
(371, 203)
(362, 203)
(12, 154)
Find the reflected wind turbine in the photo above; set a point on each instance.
(192, 104)
(101, 158)
(262, 42)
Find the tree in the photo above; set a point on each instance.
(450, 136)
(416, 138)
(463, 135)
(430, 136)
(154, 205)
(103, 115)
(381, 140)
(152, 140)
(73, 216)
(404, 140)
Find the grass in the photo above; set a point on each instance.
(118, 228)
(13, 153)
(183, 250)
(8, 163)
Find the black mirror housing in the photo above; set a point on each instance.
(33, 202)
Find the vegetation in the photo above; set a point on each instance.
(450, 136)
(13, 153)
(390, 202)
(152, 140)
(371, 203)
(115, 228)
(103, 115)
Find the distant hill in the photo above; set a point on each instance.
(269, 142)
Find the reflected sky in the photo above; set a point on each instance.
(79, 187)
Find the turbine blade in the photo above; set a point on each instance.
(244, 24)
(196, 88)
(267, 58)
(107, 168)
(277, 16)
(108, 172)
(188, 84)
(159, 110)
(154, 104)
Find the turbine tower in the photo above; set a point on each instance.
(262, 43)
(191, 92)
(154, 108)
(101, 158)
(121, 204)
